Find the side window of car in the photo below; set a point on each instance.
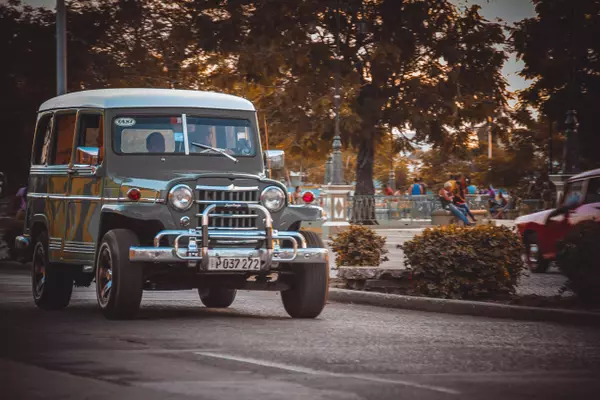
(90, 140)
(593, 191)
(43, 140)
(574, 193)
(65, 133)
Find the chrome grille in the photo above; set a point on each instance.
(228, 219)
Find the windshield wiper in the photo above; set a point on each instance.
(203, 146)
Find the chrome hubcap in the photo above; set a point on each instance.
(104, 275)
(39, 271)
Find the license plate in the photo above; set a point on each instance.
(234, 264)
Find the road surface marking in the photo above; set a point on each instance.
(310, 371)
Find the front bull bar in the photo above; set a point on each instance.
(299, 253)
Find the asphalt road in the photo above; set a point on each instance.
(178, 349)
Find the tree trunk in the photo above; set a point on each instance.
(363, 207)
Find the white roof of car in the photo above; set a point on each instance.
(140, 98)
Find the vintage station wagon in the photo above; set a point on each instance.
(142, 189)
(541, 231)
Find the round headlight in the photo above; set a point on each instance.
(181, 197)
(273, 198)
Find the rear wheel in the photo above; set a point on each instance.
(307, 295)
(217, 298)
(537, 263)
(51, 283)
(119, 282)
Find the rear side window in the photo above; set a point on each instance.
(593, 191)
(43, 140)
(65, 132)
(90, 142)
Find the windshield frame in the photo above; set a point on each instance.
(252, 134)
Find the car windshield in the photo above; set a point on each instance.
(175, 135)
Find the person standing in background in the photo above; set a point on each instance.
(297, 196)
(416, 189)
(22, 198)
(423, 185)
(387, 191)
(471, 189)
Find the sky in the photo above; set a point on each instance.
(508, 10)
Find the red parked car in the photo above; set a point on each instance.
(541, 231)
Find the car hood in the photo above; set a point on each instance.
(538, 217)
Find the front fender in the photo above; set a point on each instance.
(298, 213)
(143, 212)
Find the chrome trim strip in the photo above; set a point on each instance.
(79, 246)
(75, 243)
(94, 198)
(225, 202)
(62, 197)
(230, 188)
(36, 195)
(90, 198)
(69, 250)
(126, 200)
(225, 228)
(230, 215)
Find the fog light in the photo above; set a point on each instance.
(184, 221)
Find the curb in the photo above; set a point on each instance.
(464, 307)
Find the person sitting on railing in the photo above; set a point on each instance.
(446, 198)
(459, 199)
(499, 206)
(387, 191)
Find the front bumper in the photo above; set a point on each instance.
(198, 252)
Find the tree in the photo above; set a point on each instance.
(562, 56)
(120, 43)
(421, 65)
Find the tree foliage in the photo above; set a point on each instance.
(562, 56)
(422, 65)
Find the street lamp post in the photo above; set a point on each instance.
(337, 177)
(392, 174)
(61, 47)
(335, 192)
(571, 150)
(570, 155)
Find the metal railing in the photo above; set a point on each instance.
(409, 207)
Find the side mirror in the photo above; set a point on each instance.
(275, 159)
(87, 155)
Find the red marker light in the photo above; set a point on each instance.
(134, 194)
(308, 197)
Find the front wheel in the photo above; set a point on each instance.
(537, 263)
(217, 298)
(119, 282)
(307, 295)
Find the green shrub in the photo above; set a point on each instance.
(578, 258)
(359, 246)
(464, 263)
